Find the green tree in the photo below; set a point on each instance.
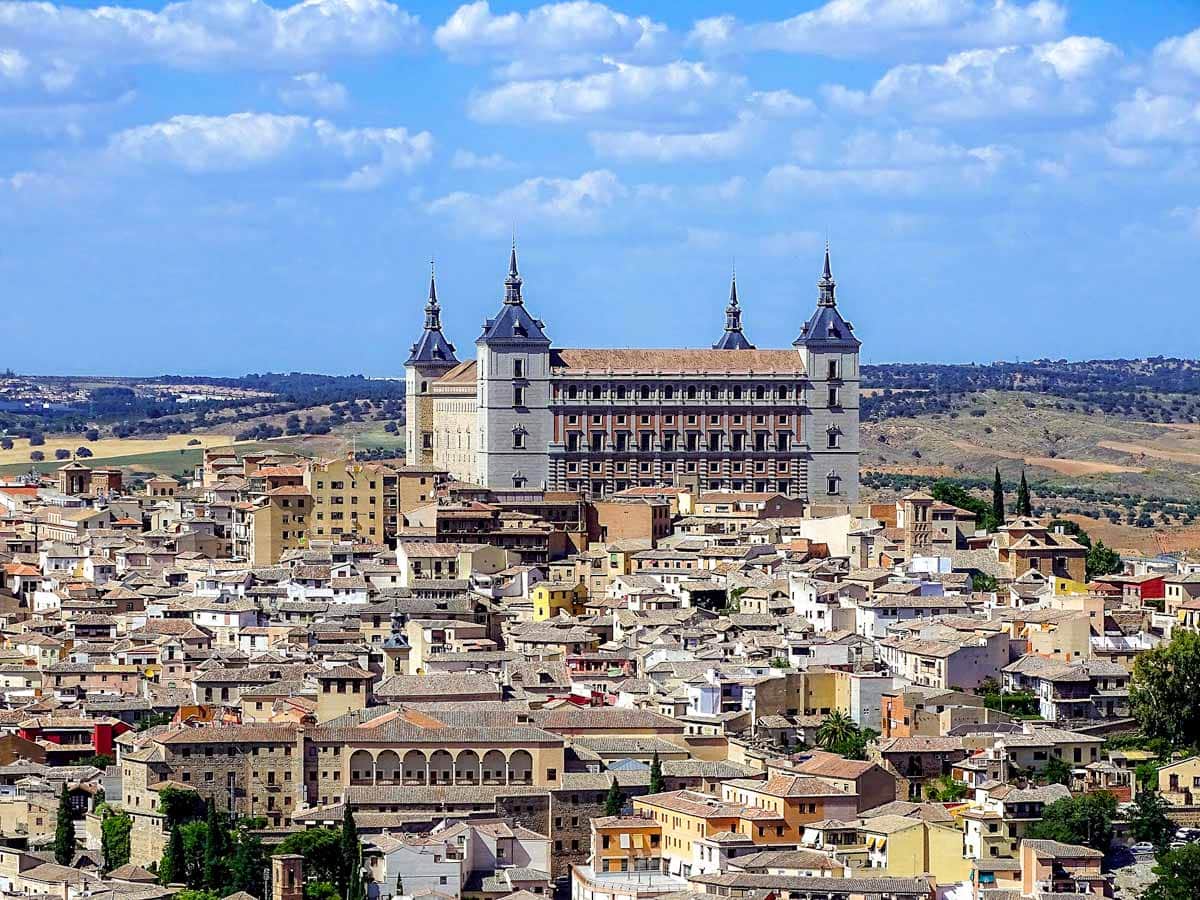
(216, 850)
(64, 830)
(956, 495)
(321, 849)
(614, 801)
(1057, 772)
(945, 789)
(657, 785)
(356, 888)
(115, 828)
(351, 851)
(1178, 874)
(179, 806)
(1164, 688)
(1086, 820)
(195, 840)
(1102, 561)
(320, 890)
(246, 865)
(998, 498)
(1148, 819)
(172, 869)
(983, 583)
(836, 730)
(190, 894)
(1024, 499)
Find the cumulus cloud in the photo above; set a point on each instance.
(466, 159)
(1148, 118)
(658, 147)
(1052, 79)
(678, 90)
(554, 39)
(313, 90)
(207, 34)
(902, 162)
(355, 158)
(1177, 59)
(855, 28)
(576, 204)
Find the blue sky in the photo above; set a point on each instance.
(223, 186)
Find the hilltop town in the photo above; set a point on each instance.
(618, 625)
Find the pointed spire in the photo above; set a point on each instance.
(512, 284)
(433, 312)
(733, 338)
(827, 286)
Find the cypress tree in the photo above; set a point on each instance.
(171, 868)
(351, 852)
(656, 779)
(615, 801)
(216, 850)
(998, 499)
(1024, 501)
(64, 830)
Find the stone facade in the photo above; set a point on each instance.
(733, 418)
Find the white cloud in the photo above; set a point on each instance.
(789, 178)
(554, 39)
(851, 28)
(313, 90)
(206, 34)
(466, 159)
(901, 162)
(656, 147)
(358, 158)
(1150, 118)
(678, 91)
(1053, 79)
(577, 204)
(1177, 59)
(781, 104)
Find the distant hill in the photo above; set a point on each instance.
(1159, 389)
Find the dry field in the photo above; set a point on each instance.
(108, 448)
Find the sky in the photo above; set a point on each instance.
(229, 186)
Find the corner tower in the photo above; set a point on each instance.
(430, 358)
(830, 352)
(513, 391)
(733, 338)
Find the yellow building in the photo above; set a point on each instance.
(349, 498)
(550, 598)
(901, 847)
(277, 525)
(1179, 782)
(626, 844)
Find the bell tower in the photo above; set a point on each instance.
(431, 357)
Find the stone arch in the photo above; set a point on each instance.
(520, 767)
(495, 767)
(387, 767)
(441, 767)
(466, 768)
(362, 767)
(414, 767)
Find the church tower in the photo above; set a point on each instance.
(733, 338)
(430, 358)
(830, 352)
(513, 391)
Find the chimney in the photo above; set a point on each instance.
(287, 877)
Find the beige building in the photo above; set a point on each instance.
(386, 746)
(349, 498)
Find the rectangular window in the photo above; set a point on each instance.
(518, 396)
(518, 368)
